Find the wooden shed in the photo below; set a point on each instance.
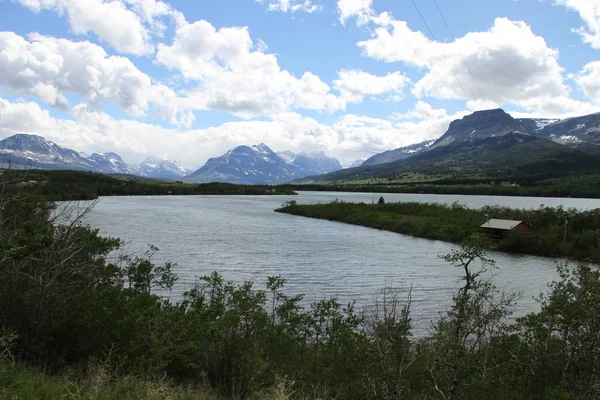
(501, 228)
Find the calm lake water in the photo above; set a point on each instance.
(243, 239)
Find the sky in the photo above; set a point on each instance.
(187, 80)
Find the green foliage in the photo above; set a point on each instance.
(19, 382)
(78, 185)
(551, 184)
(143, 275)
(460, 351)
(562, 341)
(454, 223)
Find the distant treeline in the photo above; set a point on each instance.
(79, 185)
(581, 186)
(579, 238)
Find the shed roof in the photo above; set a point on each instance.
(504, 224)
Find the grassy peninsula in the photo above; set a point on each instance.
(79, 185)
(580, 239)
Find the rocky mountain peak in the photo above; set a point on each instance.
(485, 120)
(259, 164)
(155, 167)
(25, 142)
(480, 124)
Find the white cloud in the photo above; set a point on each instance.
(589, 11)
(557, 107)
(291, 5)
(234, 75)
(354, 85)
(126, 25)
(508, 64)
(421, 110)
(51, 68)
(361, 9)
(589, 80)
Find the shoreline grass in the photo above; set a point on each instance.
(580, 240)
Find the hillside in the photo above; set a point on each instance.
(510, 157)
(397, 154)
(484, 146)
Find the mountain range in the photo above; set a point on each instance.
(259, 164)
(244, 164)
(484, 146)
(37, 152)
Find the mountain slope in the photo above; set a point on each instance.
(397, 154)
(584, 129)
(534, 125)
(511, 156)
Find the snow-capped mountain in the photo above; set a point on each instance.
(259, 164)
(110, 163)
(37, 152)
(573, 131)
(494, 123)
(315, 163)
(287, 156)
(476, 126)
(534, 125)
(244, 164)
(397, 154)
(357, 163)
(156, 168)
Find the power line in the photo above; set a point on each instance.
(444, 54)
(461, 54)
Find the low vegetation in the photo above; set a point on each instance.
(77, 322)
(78, 185)
(580, 185)
(557, 232)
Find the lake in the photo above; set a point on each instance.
(243, 239)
